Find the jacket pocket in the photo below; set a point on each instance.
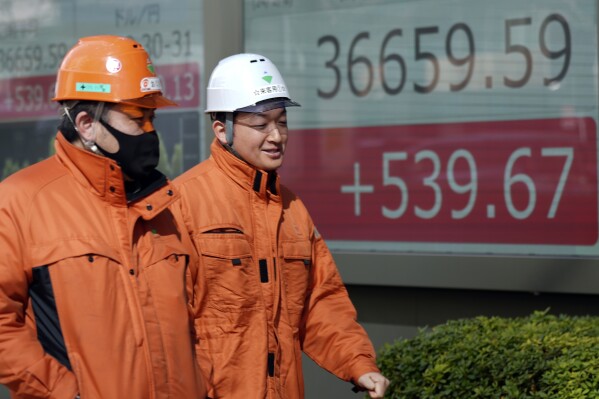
(165, 270)
(164, 262)
(231, 278)
(48, 253)
(297, 256)
(166, 248)
(85, 296)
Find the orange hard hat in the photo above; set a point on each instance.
(111, 69)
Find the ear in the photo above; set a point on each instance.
(84, 125)
(220, 131)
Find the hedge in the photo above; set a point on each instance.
(539, 356)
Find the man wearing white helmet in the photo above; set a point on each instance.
(270, 288)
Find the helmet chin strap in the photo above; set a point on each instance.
(229, 128)
(229, 135)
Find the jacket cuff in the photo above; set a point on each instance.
(358, 370)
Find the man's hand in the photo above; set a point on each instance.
(374, 383)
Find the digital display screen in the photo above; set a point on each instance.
(462, 127)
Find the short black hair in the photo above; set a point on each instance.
(221, 116)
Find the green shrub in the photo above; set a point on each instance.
(539, 356)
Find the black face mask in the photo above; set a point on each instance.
(137, 155)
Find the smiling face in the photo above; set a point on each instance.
(259, 138)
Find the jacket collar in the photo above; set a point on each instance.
(244, 174)
(103, 177)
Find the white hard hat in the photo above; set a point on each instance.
(246, 83)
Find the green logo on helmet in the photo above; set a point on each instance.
(151, 69)
(267, 78)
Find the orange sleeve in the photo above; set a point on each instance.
(331, 335)
(24, 366)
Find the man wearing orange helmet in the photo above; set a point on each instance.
(96, 277)
(270, 288)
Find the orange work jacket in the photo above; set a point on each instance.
(93, 291)
(269, 286)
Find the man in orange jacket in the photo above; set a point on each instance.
(96, 276)
(270, 288)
